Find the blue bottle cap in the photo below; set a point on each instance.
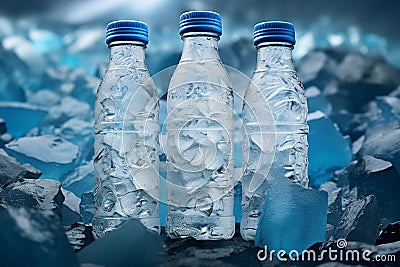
(274, 31)
(127, 30)
(200, 21)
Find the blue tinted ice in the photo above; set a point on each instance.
(80, 180)
(292, 218)
(53, 155)
(45, 41)
(130, 244)
(86, 207)
(35, 238)
(317, 101)
(328, 149)
(16, 115)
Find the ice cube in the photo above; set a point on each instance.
(21, 117)
(383, 143)
(26, 51)
(68, 108)
(360, 221)
(45, 41)
(11, 169)
(315, 65)
(317, 101)
(383, 111)
(334, 202)
(71, 200)
(5, 139)
(80, 180)
(378, 177)
(53, 155)
(328, 149)
(79, 235)
(38, 232)
(45, 98)
(33, 193)
(348, 79)
(80, 133)
(130, 241)
(292, 217)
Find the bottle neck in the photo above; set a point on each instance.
(127, 54)
(276, 55)
(200, 46)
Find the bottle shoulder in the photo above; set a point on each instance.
(127, 78)
(209, 71)
(267, 80)
(282, 92)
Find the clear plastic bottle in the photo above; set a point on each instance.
(274, 147)
(126, 133)
(200, 128)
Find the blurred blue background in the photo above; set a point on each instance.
(53, 55)
(367, 26)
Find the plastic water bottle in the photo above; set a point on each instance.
(126, 133)
(275, 122)
(200, 128)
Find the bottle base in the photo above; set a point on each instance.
(201, 227)
(248, 228)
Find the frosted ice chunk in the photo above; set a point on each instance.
(131, 241)
(292, 218)
(315, 64)
(38, 232)
(70, 208)
(26, 51)
(44, 40)
(53, 155)
(68, 108)
(21, 117)
(375, 165)
(383, 143)
(71, 200)
(33, 193)
(11, 169)
(45, 98)
(328, 149)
